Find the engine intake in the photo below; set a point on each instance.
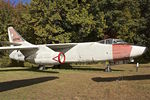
(60, 58)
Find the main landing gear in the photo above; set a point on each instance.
(108, 67)
(41, 67)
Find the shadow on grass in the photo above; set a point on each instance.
(121, 78)
(33, 69)
(10, 85)
(85, 68)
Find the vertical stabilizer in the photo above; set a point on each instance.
(15, 37)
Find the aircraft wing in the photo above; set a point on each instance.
(61, 45)
(19, 48)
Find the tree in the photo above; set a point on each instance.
(9, 16)
(63, 21)
(122, 18)
(60, 21)
(5, 19)
(144, 31)
(43, 20)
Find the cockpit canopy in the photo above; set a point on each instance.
(112, 41)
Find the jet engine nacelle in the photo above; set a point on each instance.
(60, 58)
(17, 55)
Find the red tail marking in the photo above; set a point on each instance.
(15, 37)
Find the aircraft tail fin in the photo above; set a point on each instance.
(15, 37)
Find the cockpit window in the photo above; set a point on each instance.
(102, 41)
(112, 41)
(109, 41)
(119, 41)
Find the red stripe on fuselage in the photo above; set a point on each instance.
(121, 51)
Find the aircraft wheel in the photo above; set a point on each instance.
(108, 69)
(42, 67)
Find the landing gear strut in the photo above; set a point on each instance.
(41, 67)
(108, 68)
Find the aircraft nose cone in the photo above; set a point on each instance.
(145, 50)
(137, 51)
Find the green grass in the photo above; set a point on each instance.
(84, 82)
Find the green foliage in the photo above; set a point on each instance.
(14, 63)
(4, 61)
(122, 18)
(50, 21)
(54, 21)
(5, 19)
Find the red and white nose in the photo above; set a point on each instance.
(137, 51)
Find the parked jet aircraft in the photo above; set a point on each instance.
(54, 54)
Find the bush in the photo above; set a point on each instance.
(4, 61)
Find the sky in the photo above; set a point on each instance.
(16, 1)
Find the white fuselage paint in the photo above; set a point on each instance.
(43, 55)
(87, 52)
(82, 52)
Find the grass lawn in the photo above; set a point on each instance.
(86, 82)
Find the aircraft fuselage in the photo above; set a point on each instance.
(82, 52)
